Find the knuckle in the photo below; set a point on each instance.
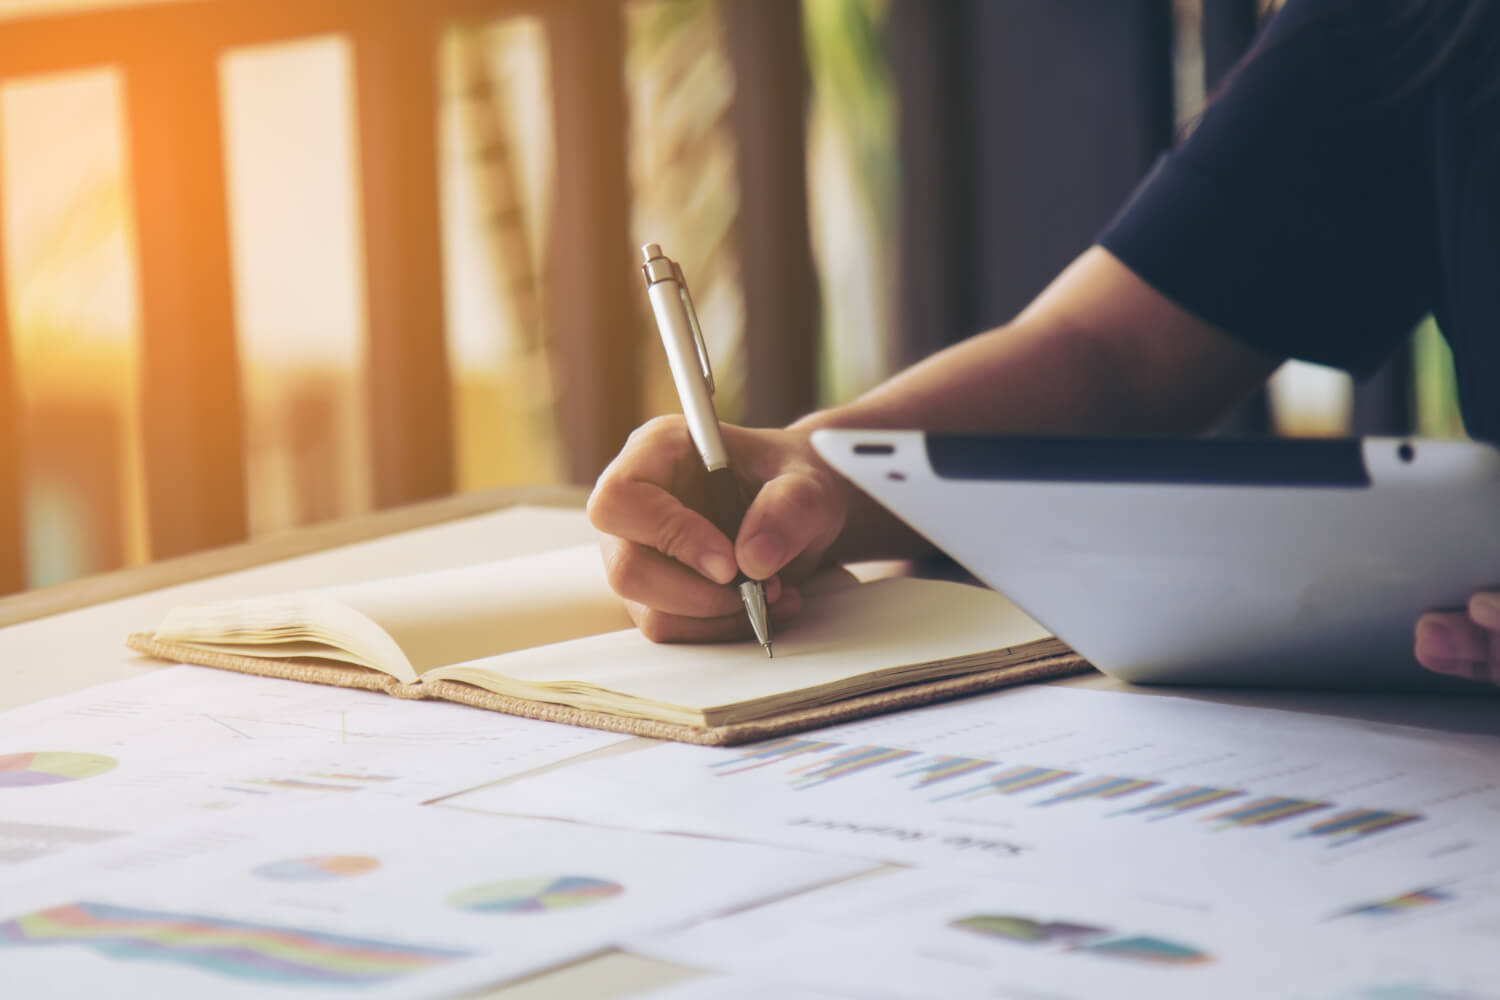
(657, 432)
(802, 496)
(674, 536)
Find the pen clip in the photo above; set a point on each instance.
(692, 314)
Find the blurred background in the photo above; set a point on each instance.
(271, 262)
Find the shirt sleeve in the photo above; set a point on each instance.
(1298, 216)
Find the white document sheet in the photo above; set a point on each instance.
(21, 842)
(382, 901)
(128, 755)
(930, 933)
(1229, 807)
(715, 987)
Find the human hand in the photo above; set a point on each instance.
(1463, 643)
(669, 562)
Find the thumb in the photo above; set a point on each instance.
(792, 512)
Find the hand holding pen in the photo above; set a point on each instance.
(693, 375)
(667, 549)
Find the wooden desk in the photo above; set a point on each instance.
(89, 618)
(103, 587)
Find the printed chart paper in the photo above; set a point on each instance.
(1231, 807)
(716, 987)
(393, 901)
(928, 933)
(189, 740)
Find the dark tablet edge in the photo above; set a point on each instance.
(1148, 460)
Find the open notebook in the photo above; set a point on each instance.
(544, 636)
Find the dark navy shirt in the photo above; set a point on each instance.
(1333, 194)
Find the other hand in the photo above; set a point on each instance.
(669, 562)
(1463, 643)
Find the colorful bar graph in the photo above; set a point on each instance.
(941, 768)
(1012, 781)
(1081, 939)
(1266, 812)
(1417, 899)
(265, 954)
(1356, 824)
(774, 752)
(1099, 788)
(1181, 800)
(851, 761)
(1026, 930)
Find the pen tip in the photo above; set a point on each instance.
(769, 655)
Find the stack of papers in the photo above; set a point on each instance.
(194, 832)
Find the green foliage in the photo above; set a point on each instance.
(850, 68)
(1434, 384)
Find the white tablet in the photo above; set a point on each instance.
(1200, 560)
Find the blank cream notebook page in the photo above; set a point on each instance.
(844, 642)
(408, 625)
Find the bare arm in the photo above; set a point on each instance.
(1099, 351)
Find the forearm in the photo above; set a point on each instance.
(1098, 352)
(1015, 379)
(1007, 380)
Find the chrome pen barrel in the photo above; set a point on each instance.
(686, 355)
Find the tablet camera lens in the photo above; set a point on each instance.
(1406, 452)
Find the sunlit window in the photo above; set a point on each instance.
(497, 182)
(295, 235)
(71, 295)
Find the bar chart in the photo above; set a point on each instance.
(808, 765)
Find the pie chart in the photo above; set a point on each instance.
(324, 868)
(536, 895)
(51, 767)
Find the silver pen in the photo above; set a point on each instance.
(687, 354)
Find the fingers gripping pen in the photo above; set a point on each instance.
(677, 321)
